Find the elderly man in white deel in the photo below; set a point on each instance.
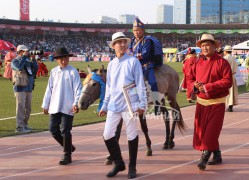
(232, 98)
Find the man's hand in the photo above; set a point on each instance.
(139, 56)
(102, 113)
(45, 111)
(199, 86)
(75, 109)
(140, 111)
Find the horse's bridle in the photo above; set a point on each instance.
(101, 82)
(89, 94)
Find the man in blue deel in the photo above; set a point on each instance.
(141, 48)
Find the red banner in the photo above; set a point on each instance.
(24, 10)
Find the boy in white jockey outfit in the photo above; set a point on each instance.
(122, 70)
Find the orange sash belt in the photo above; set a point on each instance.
(208, 102)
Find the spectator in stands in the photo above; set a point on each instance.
(247, 67)
(42, 68)
(220, 51)
(1, 65)
(82, 73)
(232, 98)
(188, 63)
(170, 57)
(7, 61)
(99, 58)
(87, 57)
(51, 57)
(61, 102)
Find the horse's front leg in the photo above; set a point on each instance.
(144, 128)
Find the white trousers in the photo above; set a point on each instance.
(113, 120)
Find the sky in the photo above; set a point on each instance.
(83, 11)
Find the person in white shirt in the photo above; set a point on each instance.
(121, 71)
(61, 102)
(232, 98)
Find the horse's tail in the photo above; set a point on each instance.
(179, 120)
(181, 124)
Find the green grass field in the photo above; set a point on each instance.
(39, 122)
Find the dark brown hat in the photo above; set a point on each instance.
(191, 51)
(220, 50)
(62, 52)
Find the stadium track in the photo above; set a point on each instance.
(36, 155)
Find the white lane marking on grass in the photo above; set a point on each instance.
(2, 119)
(34, 114)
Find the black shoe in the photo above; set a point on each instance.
(230, 108)
(189, 101)
(202, 166)
(214, 161)
(119, 166)
(73, 148)
(65, 160)
(204, 159)
(133, 148)
(217, 159)
(132, 172)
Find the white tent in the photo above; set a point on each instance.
(242, 46)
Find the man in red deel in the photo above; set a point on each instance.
(210, 79)
(188, 62)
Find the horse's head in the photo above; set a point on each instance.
(93, 87)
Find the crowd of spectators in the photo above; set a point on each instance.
(94, 46)
(49, 43)
(182, 43)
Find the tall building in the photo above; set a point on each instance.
(107, 20)
(211, 11)
(164, 14)
(127, 18)
(180, 12)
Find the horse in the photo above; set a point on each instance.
(168, 86)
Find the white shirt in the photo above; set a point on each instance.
(120, 72)
(63, 90)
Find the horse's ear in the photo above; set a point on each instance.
(89, 69)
